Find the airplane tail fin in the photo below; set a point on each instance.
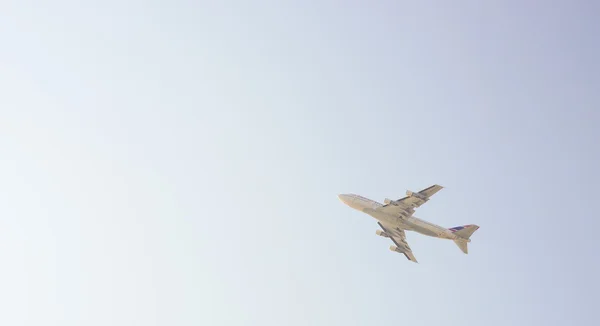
(464, 233)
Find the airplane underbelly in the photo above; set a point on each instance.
(388, 219)
(425, 231)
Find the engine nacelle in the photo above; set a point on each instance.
(388, 201)
(396, 249)
(415, 194)
(382, 234)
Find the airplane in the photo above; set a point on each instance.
(396, 216)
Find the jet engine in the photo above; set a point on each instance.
(382, 234)
(388, 201)
(415, 194)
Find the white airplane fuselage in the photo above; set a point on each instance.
(410, 223)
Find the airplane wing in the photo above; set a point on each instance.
(411, 201)
(430, 191)
(399, 238)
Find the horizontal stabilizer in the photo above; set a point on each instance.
(462, 244)
(464, 231)
(464, 234)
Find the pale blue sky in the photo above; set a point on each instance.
(177, 163)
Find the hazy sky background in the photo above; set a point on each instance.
(178, 162)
